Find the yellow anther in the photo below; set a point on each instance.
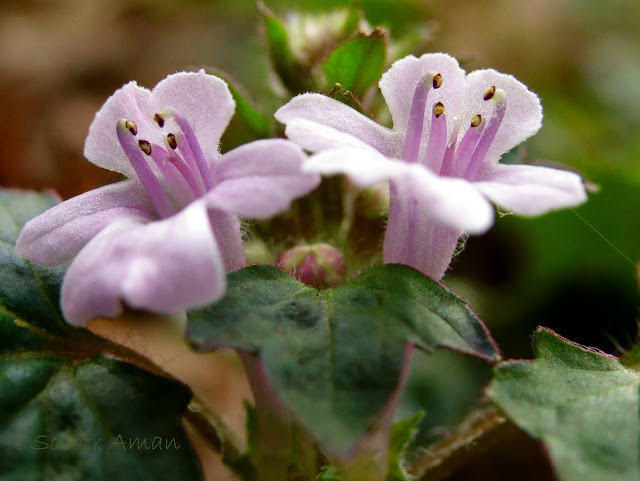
(145, 146)
(488, 94)
(437, 81)
(159, 119)
(131, 126)
(438, 109)
(172, 141)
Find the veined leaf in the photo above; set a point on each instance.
(335, 356)
(68, 409)
(583, 404)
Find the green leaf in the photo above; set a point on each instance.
(582, 403)
(401, 433)
(27, 291)
(330, 473)
(247, 124)
(67, 409)
(399, 15)
(294, 76)
(358, 63)
(98, 419)
(631, 358)
(352, 21)
(335, 356)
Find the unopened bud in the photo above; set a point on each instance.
(317, 265)
(374, 201)
(257, 252)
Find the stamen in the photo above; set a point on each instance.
(416, 119)
(488, 94)
(131, 126)
(173, 143)
(438, 109)
(437, 81)
(481, 150)
(475, 120)
(159, 120)
(437, 145)
(149, 181)
(145, 146)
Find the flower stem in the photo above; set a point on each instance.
(281, 449)
(212, 429)
(476, 434)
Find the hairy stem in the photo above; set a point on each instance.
(473, 436)
(212, 429)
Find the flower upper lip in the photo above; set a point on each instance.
(319, 123)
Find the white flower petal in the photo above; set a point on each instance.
(452, 201)
(164, 267)
(203, 100)
(363, 166)
(531, 190)
(102, 147)
(523, 116)
(261, 179)
(58, 234)
(332, 113)
(399, 83)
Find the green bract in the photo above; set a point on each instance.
(358, 63)
(401, 434)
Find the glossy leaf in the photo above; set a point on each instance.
(68, 409)
(335, 356)
(583, 404)
(247, 123)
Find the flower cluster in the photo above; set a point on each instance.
(164, 239)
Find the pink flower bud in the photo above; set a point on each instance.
(317, 265)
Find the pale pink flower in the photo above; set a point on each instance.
(163, 239)
(441, 157)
